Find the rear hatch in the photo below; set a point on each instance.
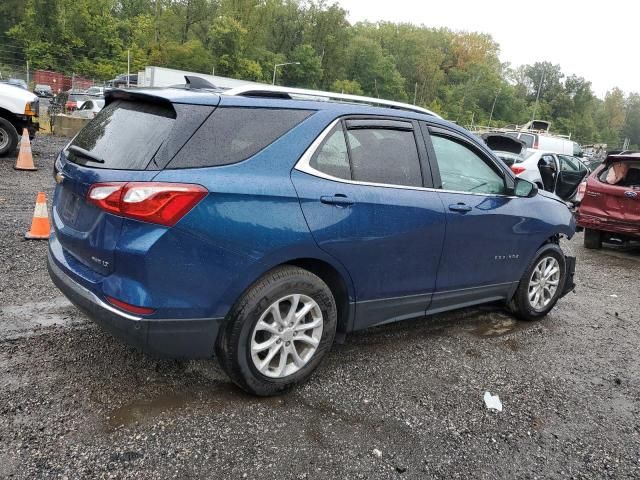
(506, 147)
(131, 139)
(619, 201)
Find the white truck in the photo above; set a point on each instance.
(166, 77)
(18, 110)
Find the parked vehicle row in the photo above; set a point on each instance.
(551, 171)
(260, 224)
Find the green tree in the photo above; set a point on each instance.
(308, 74)
(346, 86)
(374, 70)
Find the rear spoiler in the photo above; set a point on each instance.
(624, 156)
(139, 95)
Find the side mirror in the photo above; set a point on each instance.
(524, 188)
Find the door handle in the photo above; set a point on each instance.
(460, 207)
(338, 200)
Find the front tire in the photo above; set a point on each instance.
(278, 332)
(8, 137)
(592, 239)
(541, 285)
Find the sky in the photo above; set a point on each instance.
(599, 41)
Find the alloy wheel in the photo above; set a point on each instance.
(286, 336)
(544, 283)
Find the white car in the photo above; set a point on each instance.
(95, 91)
(89, 108)
(553, 172)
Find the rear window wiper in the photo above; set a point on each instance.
(86, 154)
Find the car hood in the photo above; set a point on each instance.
(17, 93)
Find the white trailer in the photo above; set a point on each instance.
(165, 77)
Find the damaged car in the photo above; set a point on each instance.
(610, 206)
(262, 224)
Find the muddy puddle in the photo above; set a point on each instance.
(209, 400)
(496, 325)
(19, 321)
(482, 323)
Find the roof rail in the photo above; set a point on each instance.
(272, 91)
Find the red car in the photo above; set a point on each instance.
(610, 207)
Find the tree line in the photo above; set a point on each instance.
(457, 74)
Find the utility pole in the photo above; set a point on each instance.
(493, 107)
(275, 68)
(27, 72)
(535, 107)
(415, 93)
(128, 66)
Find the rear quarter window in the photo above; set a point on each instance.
(231, 135)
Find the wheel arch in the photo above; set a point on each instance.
(11, 118)
(338, 285)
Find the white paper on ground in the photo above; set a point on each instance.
(492, 401)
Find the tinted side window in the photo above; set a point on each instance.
(385, 156)
(462, 170)
(332, 157)
(570, 164)
(231, 135)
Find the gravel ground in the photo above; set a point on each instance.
(399, 401)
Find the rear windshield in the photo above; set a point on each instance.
(231, 135)
(622, 174)
(124, 135)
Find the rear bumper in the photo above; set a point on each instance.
(173, 338)
(608, 225)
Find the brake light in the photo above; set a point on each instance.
(582, 189)
(153, 202)
(127, 307)
(517, 169)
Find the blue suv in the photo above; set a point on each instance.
(260, 224)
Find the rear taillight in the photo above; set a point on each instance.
(582, 188)
(517, 169)
(153, 202)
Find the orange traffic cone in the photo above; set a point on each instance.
(40, 224)
(25, 159)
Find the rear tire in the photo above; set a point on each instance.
(592, 239)
(271, 313)
(8, 137)
(541, 285)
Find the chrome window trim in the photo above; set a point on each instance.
(304, 165)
